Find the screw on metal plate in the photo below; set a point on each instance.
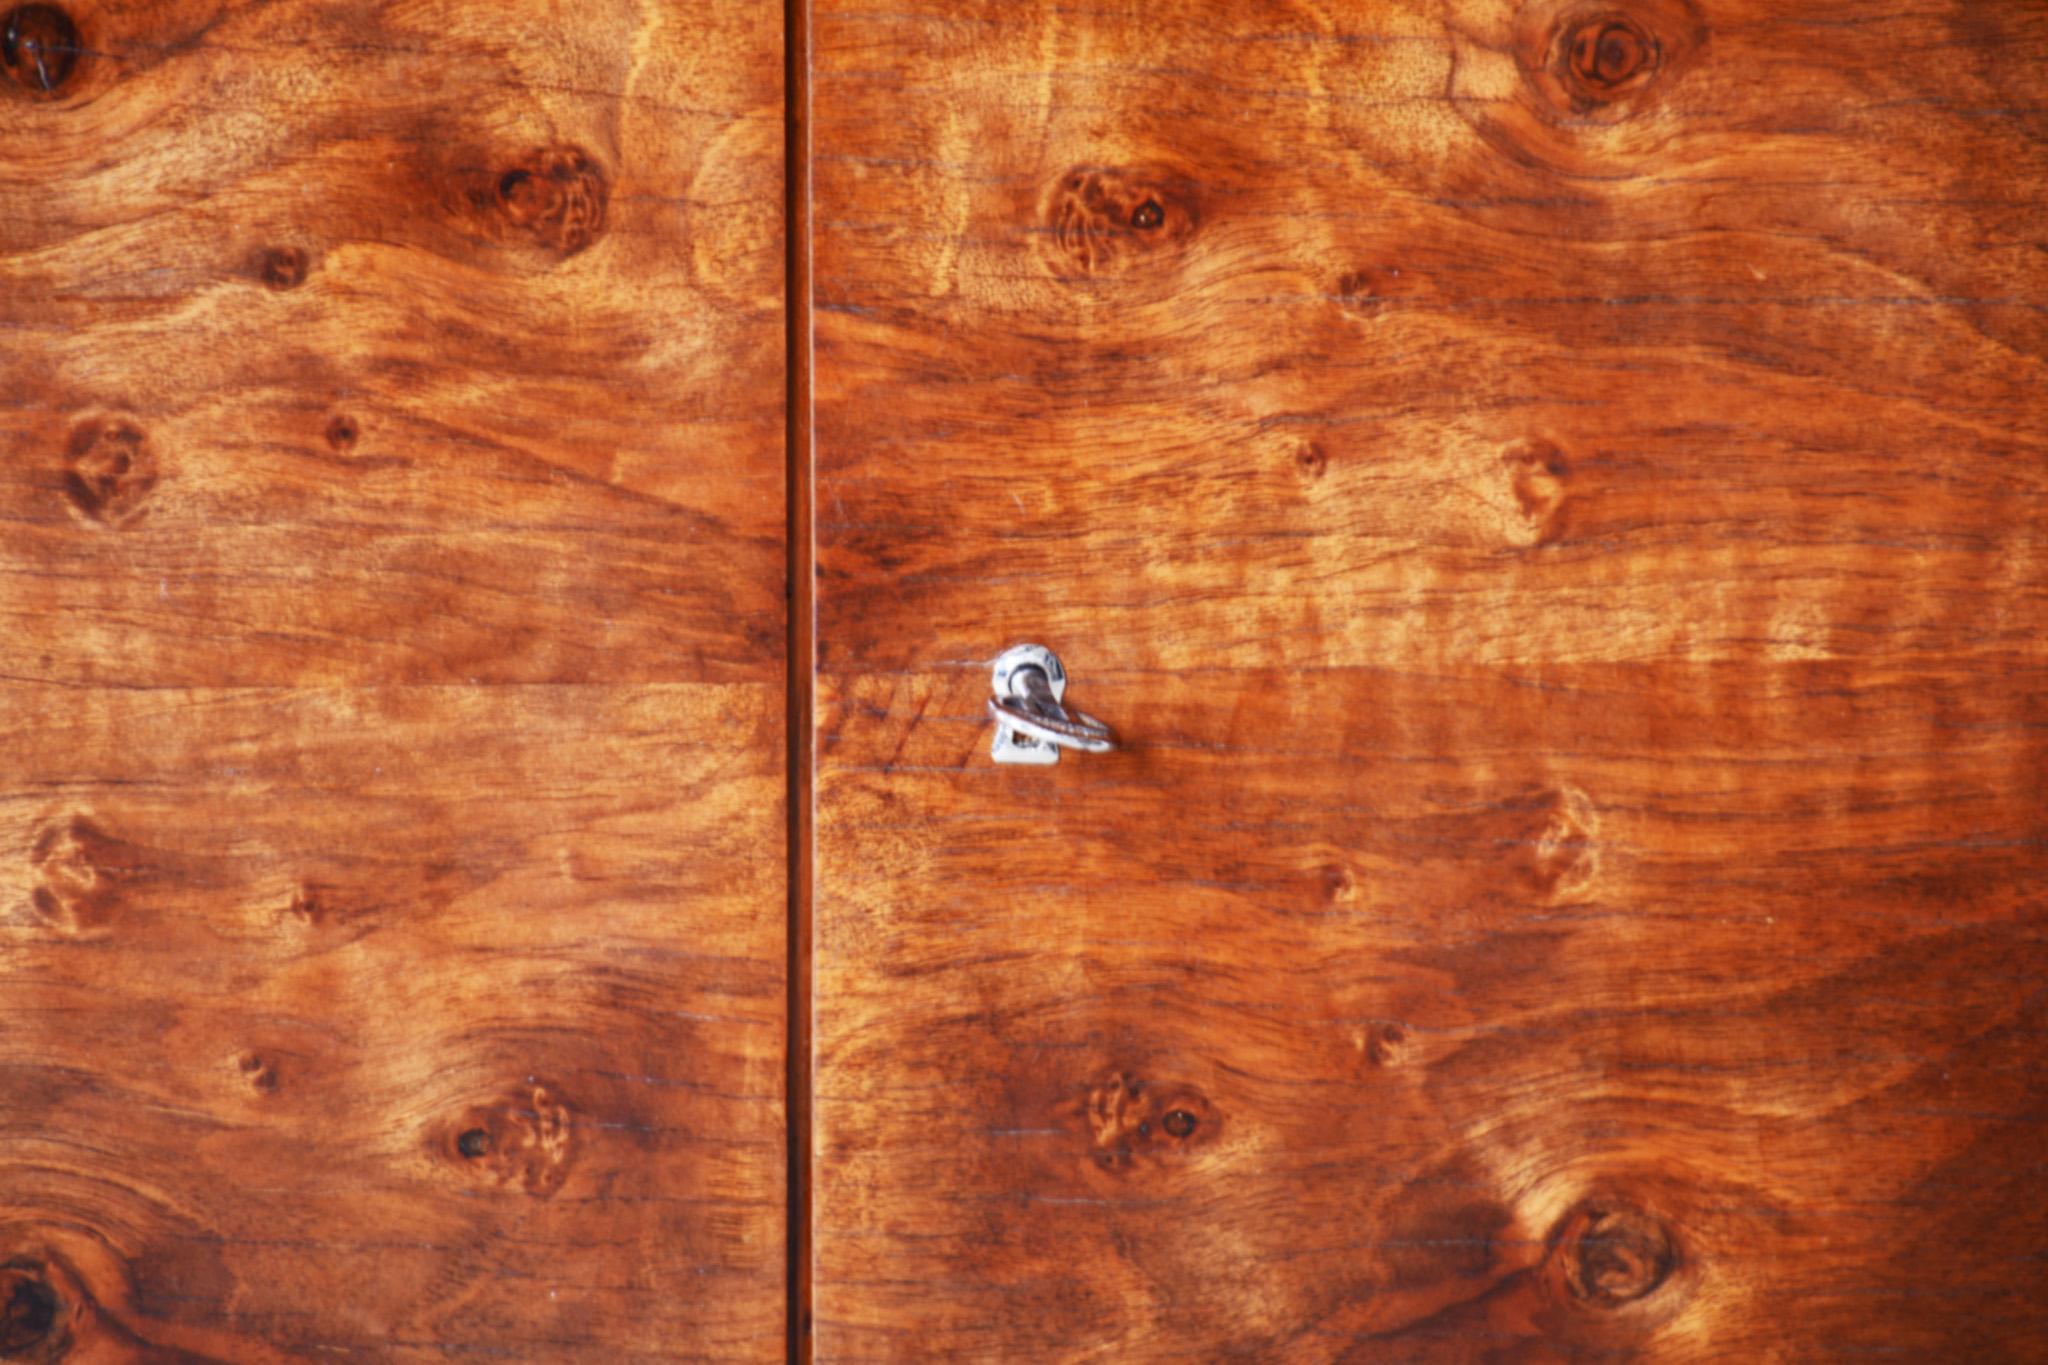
(1031, 725)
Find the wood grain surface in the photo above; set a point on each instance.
(1551, 496)
(392, 869)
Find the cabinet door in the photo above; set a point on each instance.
(391, 605)
(1552, 497)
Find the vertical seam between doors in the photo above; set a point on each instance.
(800, 665)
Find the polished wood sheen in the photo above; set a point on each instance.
(1552, 496)
(392, 877)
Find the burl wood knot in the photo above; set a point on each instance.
(1538, 476)
(1585, 60)
(556, 195)
(1373, 291)
(1609, 1254)
(1129, 1119)
(80, 876)
(258, 1072)
(1601, 58)
(32, 1317)
(1564, 856)
(39, 48)
(1310, 460)
(1099, 220)
(282, 267)
(110, 469)
(524, 1140)
(1339, 885)
(1382, 1043)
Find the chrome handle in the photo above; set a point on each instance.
(1031, 724)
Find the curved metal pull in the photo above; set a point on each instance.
(1031, 724)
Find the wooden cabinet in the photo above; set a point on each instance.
(511, 509)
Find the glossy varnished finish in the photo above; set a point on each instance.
(432, 344)
(391, 838)
(1551, 499)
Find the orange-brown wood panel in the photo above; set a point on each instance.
(1551, 496)
(392, 866)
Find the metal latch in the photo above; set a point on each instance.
(1031, 724)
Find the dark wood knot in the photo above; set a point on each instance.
(342, 432)
(1586, 60)
(81, 875)
(1565, 857)
(1607, 56)
(1383, 1043)
(1129, 1118)
(557, 195)
(1371, 290)
(524, 1140)
(110, 469)
(308, 904)
(281, 267)
(1538, 478)
(1613, 1253)
(1096, 220)
(39, 48)
(31, 1313)
(258, 1072)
